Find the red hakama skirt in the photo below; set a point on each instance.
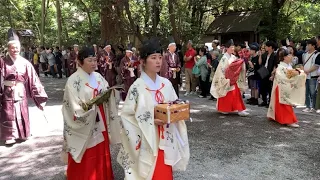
(284, 114)
(231, 102)
(95, 163)
(162, 171)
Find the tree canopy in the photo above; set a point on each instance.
(65, 22)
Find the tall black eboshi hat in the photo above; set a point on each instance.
(149, 47)
(12, 35)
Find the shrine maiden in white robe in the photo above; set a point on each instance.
(139, 130)
(81, 131)
(291, 91)
(220, 84)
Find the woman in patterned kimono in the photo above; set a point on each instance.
(288, 90)
(87, 134)
(18, 81)
(129, 67)
(151, 149)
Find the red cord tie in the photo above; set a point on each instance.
(95, 90)
(158, 94)
(162, 132)
(159, 99)
(139, 145)
(95, 94)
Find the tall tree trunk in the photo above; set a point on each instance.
(86, 9)
(172, 16)
(147, 13)
(156, 15)
(122, 37)
(202, 10)
(135, 28)
(43, 11)
(276, 5)
(107, 26)
(59, 22)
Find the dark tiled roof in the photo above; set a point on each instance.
(25, 32)
(235, 22)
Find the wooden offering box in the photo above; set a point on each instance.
(177, 112)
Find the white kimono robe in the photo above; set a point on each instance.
(220, 86)
(291, 91)
(138, 130)
(81, 131)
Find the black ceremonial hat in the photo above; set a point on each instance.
(12, 35)
(85, 52)
(149, 47)
(230, 43)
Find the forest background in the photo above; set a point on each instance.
(87, 22)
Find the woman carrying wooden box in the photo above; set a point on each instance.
(151, 149)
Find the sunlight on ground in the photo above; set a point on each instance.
(307, 122)
(285, 129)
(49, 122)
(281, 145)
(194, 111)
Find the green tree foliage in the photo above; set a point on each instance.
(118, 21)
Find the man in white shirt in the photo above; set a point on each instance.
(310, 68)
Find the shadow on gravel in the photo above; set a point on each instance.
(39, 159)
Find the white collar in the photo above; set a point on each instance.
(228, 55)
(91, 78)
(286, 65)
(18, 57)
(81, 71)
(149, 82)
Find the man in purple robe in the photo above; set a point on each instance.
(18, 81)
(171, 65)
(73, 59)
(110, 72)
(130, 71)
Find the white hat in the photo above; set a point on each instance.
(75, 45)
(107, 46)
(94, 45)
(171, 44)
(129, 51)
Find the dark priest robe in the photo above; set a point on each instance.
(171, 65)
(18, 80)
